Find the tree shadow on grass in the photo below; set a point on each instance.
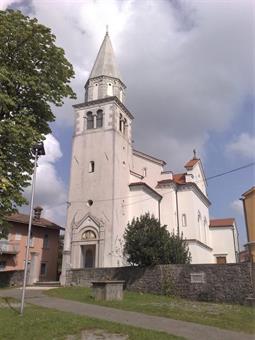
(9, 302)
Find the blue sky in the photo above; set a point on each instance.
(189, 71)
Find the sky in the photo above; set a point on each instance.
(189, 71)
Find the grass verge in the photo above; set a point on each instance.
(41, 323)
(226, 316)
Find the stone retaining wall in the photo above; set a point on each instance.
(11, 278)
(205, 282)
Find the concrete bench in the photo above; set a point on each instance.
(108, 290)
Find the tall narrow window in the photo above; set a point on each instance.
(91, 166)
(120, 122)
(46, 241)
(109, 89)
(90, 121)
(121, 95)
(99, 118)
(124, 126)
(43, 268)
(184, 220)
(205, 231)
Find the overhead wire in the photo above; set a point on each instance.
(140, 195)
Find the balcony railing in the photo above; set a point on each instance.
(9, 247)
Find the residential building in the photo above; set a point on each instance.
(248, 199)
(43, 249)
(111, 182)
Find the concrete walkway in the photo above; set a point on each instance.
(184, 329)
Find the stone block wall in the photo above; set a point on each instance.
(205, 282)
(11, 278)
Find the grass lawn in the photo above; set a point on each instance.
(41, 323)
(233, 317)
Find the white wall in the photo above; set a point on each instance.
(200, 254)
(153, 170)
(141, 202)
(223, 243)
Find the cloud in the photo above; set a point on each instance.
(187, 64)
(237, 207)
(243, 145)
(50, 191)
(5, 3)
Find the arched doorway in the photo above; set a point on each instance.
(89, 249)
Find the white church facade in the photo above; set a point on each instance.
(111, 183)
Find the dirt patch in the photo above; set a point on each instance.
(96, 334)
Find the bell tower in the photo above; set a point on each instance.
(100, 169)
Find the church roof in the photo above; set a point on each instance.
(191, 163)
(177, 179)
(105, 64)
(148, 157)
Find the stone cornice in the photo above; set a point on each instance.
(105, 100)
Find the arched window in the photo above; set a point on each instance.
(99, 118)
(90, 121)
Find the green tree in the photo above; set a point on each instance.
(34, 74)
(148, 243)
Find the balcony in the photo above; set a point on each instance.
(9, 247)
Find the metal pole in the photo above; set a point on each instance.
(29, 233)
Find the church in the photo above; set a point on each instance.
(111, 183)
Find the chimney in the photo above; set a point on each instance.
(37, 213)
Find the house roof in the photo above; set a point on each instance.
(41, 222)
(248, 192)
(135, 184)
(222, 222)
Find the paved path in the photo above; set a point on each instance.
(184, 329)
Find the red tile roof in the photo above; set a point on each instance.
(191, 163)
(177, 178)
(24, 219)
(222, 222)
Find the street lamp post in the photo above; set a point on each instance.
(38, 151)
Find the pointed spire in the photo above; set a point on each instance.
(105, 64)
